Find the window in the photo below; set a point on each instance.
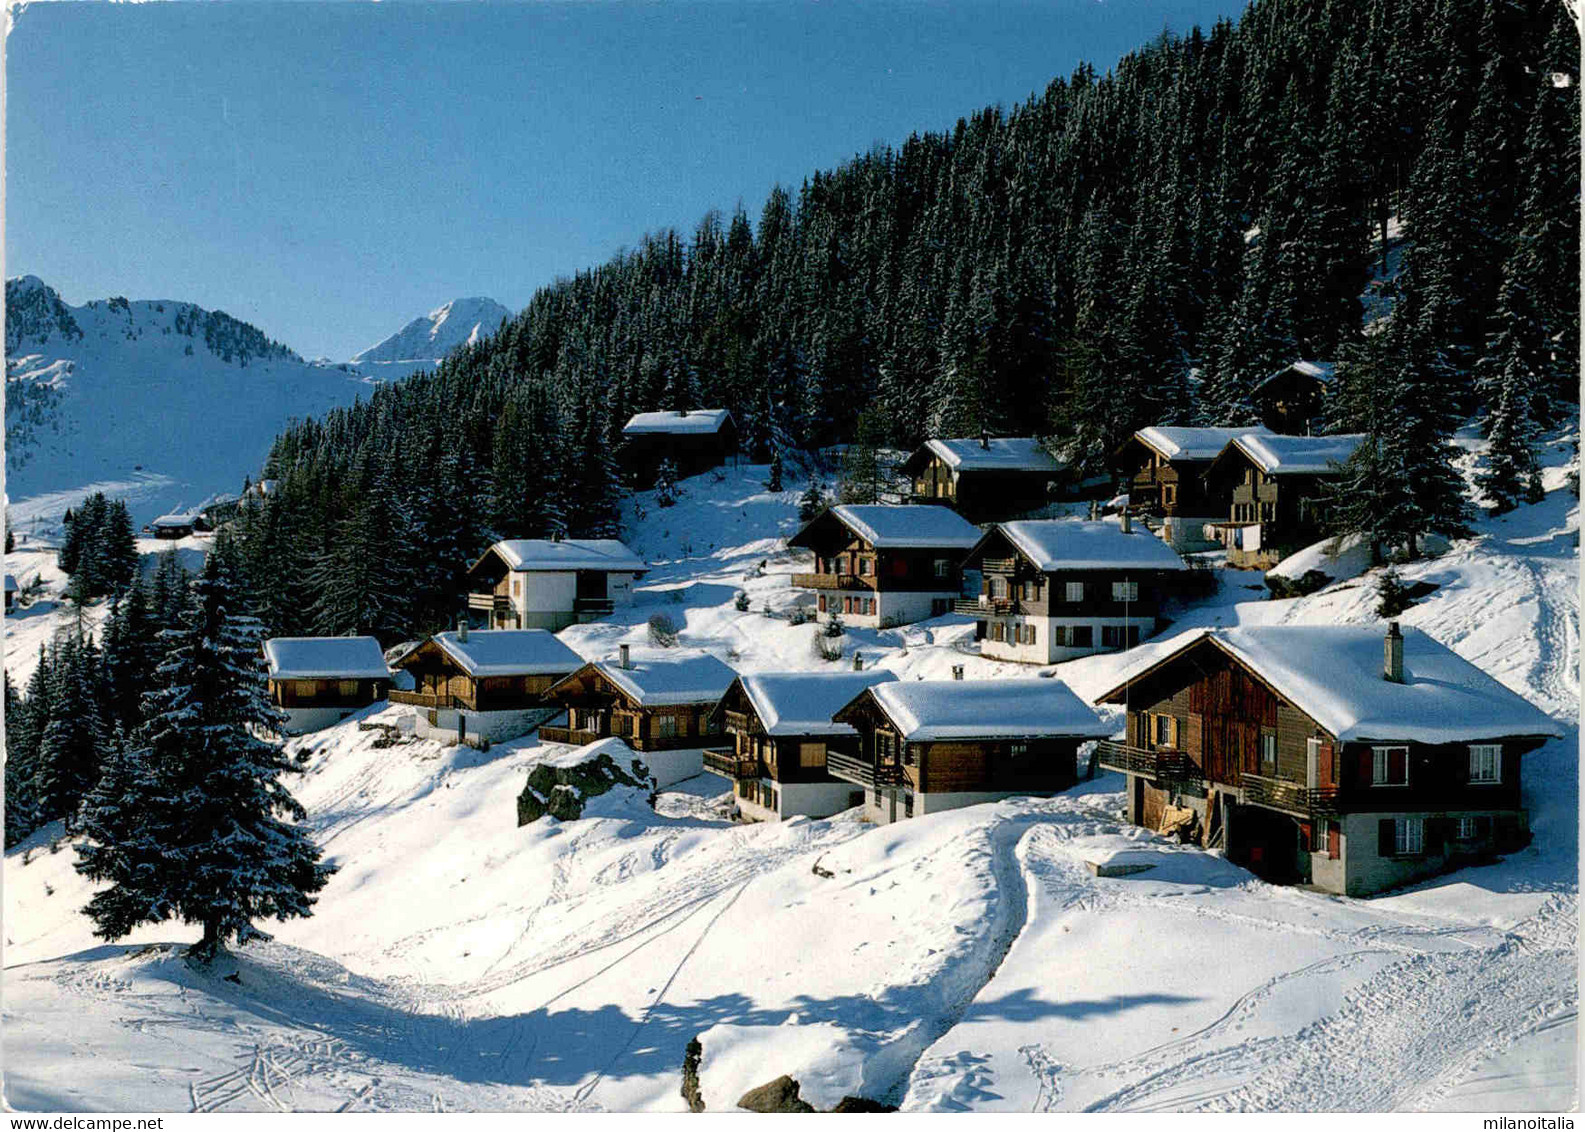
(1081, 636)
(943, 568)
(1125, 591)
(348, 687)
(1409, 837)
(1111, 636)
(1073, 592)
(1485, 763)
(998, 587)
(517, 587)
(1169, 494)
(1017, 750)
(1268, 754)
(1389, 766)
(1468, 830)
(864, 566)
(999, 631)
(811, 754)
(665, 727)
(1164, 730)
(822, 603)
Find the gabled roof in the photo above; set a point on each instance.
(530, 555)
(996, 454)
(668, 678)
(1323, 373)
(693, 421)
(900, 525)
(1080, 544)
(1333, 673)
(1019, 708)
(325, 658)
(1182, 443)
(176, 519)
(802, 703)
(508, 652)
(1278, 455)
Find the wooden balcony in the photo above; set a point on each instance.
(1164, 768)
(726, 762)
(832, 582)
(1287, 797)
(492, 603)
(862, 773)
(974, 607)
(572, 736)
(998, 565)
(429, 700)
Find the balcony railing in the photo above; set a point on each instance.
(1288, 797)
(862, 773)
(726, 762)
(488, 603)
(1163, 767)
(975, 607)
(999, 565)
(831, 582)
(429, 699)
(572, 736)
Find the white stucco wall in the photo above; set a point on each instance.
(1043, 651)
(495, 726)
(670, 767)
(299, 721)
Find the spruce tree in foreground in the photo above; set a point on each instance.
(194, 823)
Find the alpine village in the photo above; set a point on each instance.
(1127, 458)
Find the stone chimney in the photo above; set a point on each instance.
(858, 663)
(1392, 655)
(1128, 522)
(1095, 509)
(985, 439)
(625, 655)
(957, 672)
(462, 628)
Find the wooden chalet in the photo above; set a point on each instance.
(10, 592)
(1165, 467)
(319, 681)
(178, 525)
(1276, 488)
(1293, 400)
(781, 727)
(984, 478)
(694, 441)
(922, 746)
(1055, 589)
(551, 583)
(885, 564)
(661, 701)
(1330, 754)
(483, 685)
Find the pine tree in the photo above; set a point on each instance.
(812, 501)
(773, 481)
(131, 651)
(22, 809)
(666, 484)
(195, 823)
(74, 734)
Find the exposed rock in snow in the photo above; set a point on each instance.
(562, 784)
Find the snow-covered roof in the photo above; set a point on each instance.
(543, 554)
(1183, 443)
(509, 652)
(669, 678)
(693, 421)
(903, 525)
(802, 703)
(997, 454)
(1079, 544)
(325, 658)
(1278, 455)
(1333, 673)
(1323, 372)
(176, 519)
(1018, 708)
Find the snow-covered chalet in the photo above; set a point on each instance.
(983, 478)
(551, 583)
(319, 681)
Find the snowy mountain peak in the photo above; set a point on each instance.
(424, 341)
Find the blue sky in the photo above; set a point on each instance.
(328, 171)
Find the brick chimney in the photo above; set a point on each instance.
(858, 663)
(462, 628)
(957, 672)
(985, 439)
(624, 652)
(1392, 655)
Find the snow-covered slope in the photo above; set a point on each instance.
(968, 959)
(160, 402)
(424, 341)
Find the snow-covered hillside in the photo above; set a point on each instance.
(965, 960)
(160, 402)
(424, 341)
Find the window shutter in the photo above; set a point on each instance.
(1367, 766)
(1398, 765)
(1435, 834)
(1334, 841)
(1386, 837)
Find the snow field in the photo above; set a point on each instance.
(968, 959)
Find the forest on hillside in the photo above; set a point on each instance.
(1123, 249)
